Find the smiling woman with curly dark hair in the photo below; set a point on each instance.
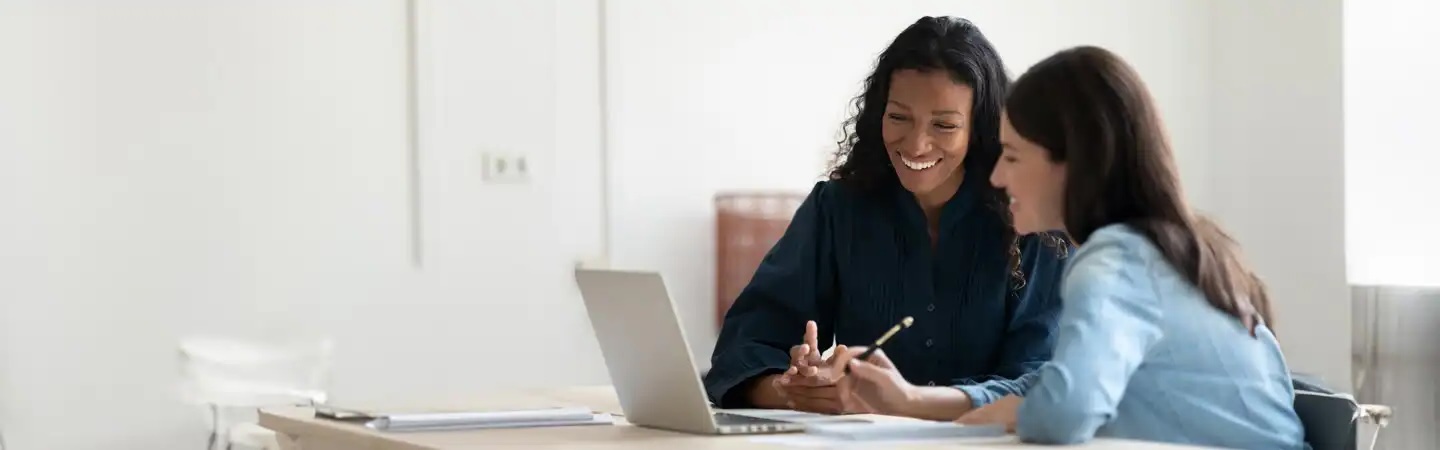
(906, 225)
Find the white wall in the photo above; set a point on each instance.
(239, 168)
(1390, 182)
(752, 92)
(178, 167)
(709, 96)
(1278, 167)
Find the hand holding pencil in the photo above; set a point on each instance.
(865, 356)
(872, 383)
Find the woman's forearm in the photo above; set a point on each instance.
(763, 394)
(937, 403)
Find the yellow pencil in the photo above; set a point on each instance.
(904, 323)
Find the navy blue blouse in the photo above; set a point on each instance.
(858, 263)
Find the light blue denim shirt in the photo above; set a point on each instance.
(1140, 354)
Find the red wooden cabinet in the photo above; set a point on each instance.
(747, 225)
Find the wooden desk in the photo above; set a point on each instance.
(300, 430)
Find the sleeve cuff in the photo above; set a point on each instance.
(721, 383)
(979, 396)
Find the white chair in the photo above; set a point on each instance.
(231, 378)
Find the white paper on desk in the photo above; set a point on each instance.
(491, 419)
(903, 430)
(813, 441)
(890, 433)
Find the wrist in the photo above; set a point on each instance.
(762, 392)
(936, 402)
(915, 401)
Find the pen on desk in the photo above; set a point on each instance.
(904, 323)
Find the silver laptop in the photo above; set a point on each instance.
(649, 360)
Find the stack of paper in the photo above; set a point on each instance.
(437, 421)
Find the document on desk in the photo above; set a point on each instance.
(440, 421)
(886, 433)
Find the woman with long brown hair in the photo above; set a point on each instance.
(1164, 331)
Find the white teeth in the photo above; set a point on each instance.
(916, 165)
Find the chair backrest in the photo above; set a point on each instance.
(241, 373)
(1331, 420)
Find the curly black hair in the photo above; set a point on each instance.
(949, 44)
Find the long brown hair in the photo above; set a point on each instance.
(1090, 109)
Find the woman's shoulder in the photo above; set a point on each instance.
(1116, 241)
(1112, 254)
(828, 191)
(835, 196)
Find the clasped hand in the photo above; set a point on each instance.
(816, 384)
(810, 383)
(871, 385)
